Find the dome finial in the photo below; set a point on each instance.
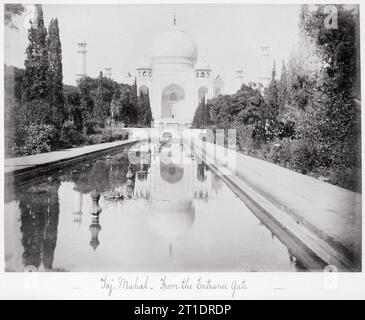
(174, 18)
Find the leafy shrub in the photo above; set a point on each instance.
(244, 138)
(349, 178)
(285, 152)
(299, 155)
(37, 139)
(70, 135)
(107, 136)
(90, 127)
(34, 112)
(100, 124)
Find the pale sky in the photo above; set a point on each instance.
(227, 36)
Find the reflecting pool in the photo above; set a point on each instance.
(108, 214)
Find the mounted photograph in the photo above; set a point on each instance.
(182, 138)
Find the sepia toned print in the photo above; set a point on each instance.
(148, 138)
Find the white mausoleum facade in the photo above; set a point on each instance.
(175, 79)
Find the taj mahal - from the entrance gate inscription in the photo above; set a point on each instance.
(176, 78)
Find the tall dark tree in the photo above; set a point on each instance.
(283, 87)
(198, 120)
(206, 115)
(57, 109)
(273, 73)
(35, 84)
(272, 98)
(101, 107)
(72, 99)
(272, 108)
(144, 109)
(134, 94)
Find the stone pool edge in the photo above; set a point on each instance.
(33, 169)
(308, 243)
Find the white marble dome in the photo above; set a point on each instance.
(174, 43)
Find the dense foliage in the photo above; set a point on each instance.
(144, 110)
(43, 114)
(11, 10)
(202, 115)
(308, 119)
(36, 83)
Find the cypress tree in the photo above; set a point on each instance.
(55, 74)
(206, 119)
(134, 95)
(101, 108)
(199, 116)
(283, 87)
(145, 113)
(273, 73)
(271, 97)
(35, 84)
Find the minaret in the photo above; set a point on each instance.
(239, 76)
(265, 65)
(82, 62)
(95, 229)
(108, 72)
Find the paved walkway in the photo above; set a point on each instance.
(331, 212)
(32, 161)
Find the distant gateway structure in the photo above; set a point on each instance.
(175, 79)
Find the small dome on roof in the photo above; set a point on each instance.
(202, 64)
(145, 63)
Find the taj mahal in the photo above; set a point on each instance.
(175, 78)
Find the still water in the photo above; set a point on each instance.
(151, 216)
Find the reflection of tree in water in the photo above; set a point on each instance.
(101, 175)
(217, 183)
(295, 262)
(201, 175)
(39, 207)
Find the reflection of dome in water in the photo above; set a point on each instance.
(171, 219)
(171, 173)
